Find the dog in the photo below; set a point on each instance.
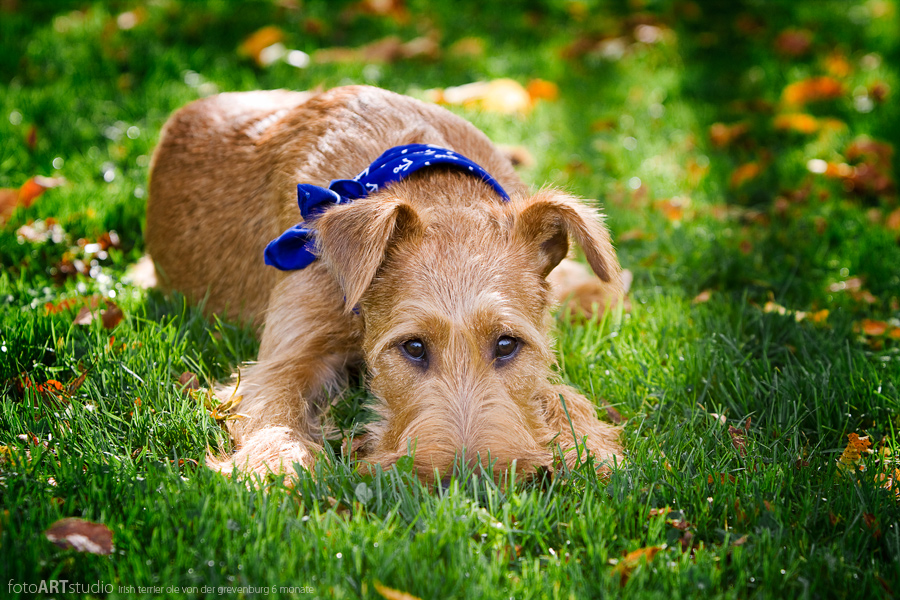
(436, 280)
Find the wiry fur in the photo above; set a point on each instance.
(437, 257)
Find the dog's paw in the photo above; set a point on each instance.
(272, 450)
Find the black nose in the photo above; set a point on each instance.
(445, 483)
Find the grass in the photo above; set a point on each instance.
(737, 407)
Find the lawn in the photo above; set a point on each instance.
(745, 153)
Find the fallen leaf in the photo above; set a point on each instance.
(873, 328)
(471, 47)
(793, 42)
(10, 199)
(892, 222)
(722, 135)
(85, 316)
(852, 456)
(255, 45)
(814, 89)
(799, 122)
(744, 173)
(111, 316)
(702, 297)
(738, 439)
(392, 594)
(142, 274)
(632, 560)
(189, 381)
(81, 535)
(612, 414)
(674, 208)
(540, 89)
(504, 96)
(837, 64)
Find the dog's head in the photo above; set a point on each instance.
(451, 284)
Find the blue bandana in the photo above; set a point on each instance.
(295, 248)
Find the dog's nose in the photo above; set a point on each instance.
(445, 483)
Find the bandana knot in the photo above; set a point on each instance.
(295, 248)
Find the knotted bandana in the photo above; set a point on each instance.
(295, 248)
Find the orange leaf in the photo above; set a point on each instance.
(851, 457)
(633, 559)
(702, 297)
(258, 41)
(892, 221)
(799, 122)
(744, 173)
(813, 89)
(837, 64)
(872, 327)
(81, 535)
(722, 135)
(539, 89)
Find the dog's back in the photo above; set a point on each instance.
(223, 178)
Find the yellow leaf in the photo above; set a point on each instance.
(392, 594)
(857, 447)
(799, 122)
(258, 41)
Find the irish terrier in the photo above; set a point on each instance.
(433, 274)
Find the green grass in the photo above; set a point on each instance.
(759, 510)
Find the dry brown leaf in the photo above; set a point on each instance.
(189, 381)
(793, 42)
(111, 316)
(392, 594)
(738, 439)
(81, 535)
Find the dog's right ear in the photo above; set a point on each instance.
(352, 240)
(549, 218)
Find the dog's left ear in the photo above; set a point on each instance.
(548, 219)
(352, 240)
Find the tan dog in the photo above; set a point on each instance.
(450, 281)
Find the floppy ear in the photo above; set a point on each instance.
(352, 240)
(550, 217)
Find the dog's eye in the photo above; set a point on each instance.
(414, 349)
(506, 346)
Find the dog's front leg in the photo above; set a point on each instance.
(307, 342)
(567, 411)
